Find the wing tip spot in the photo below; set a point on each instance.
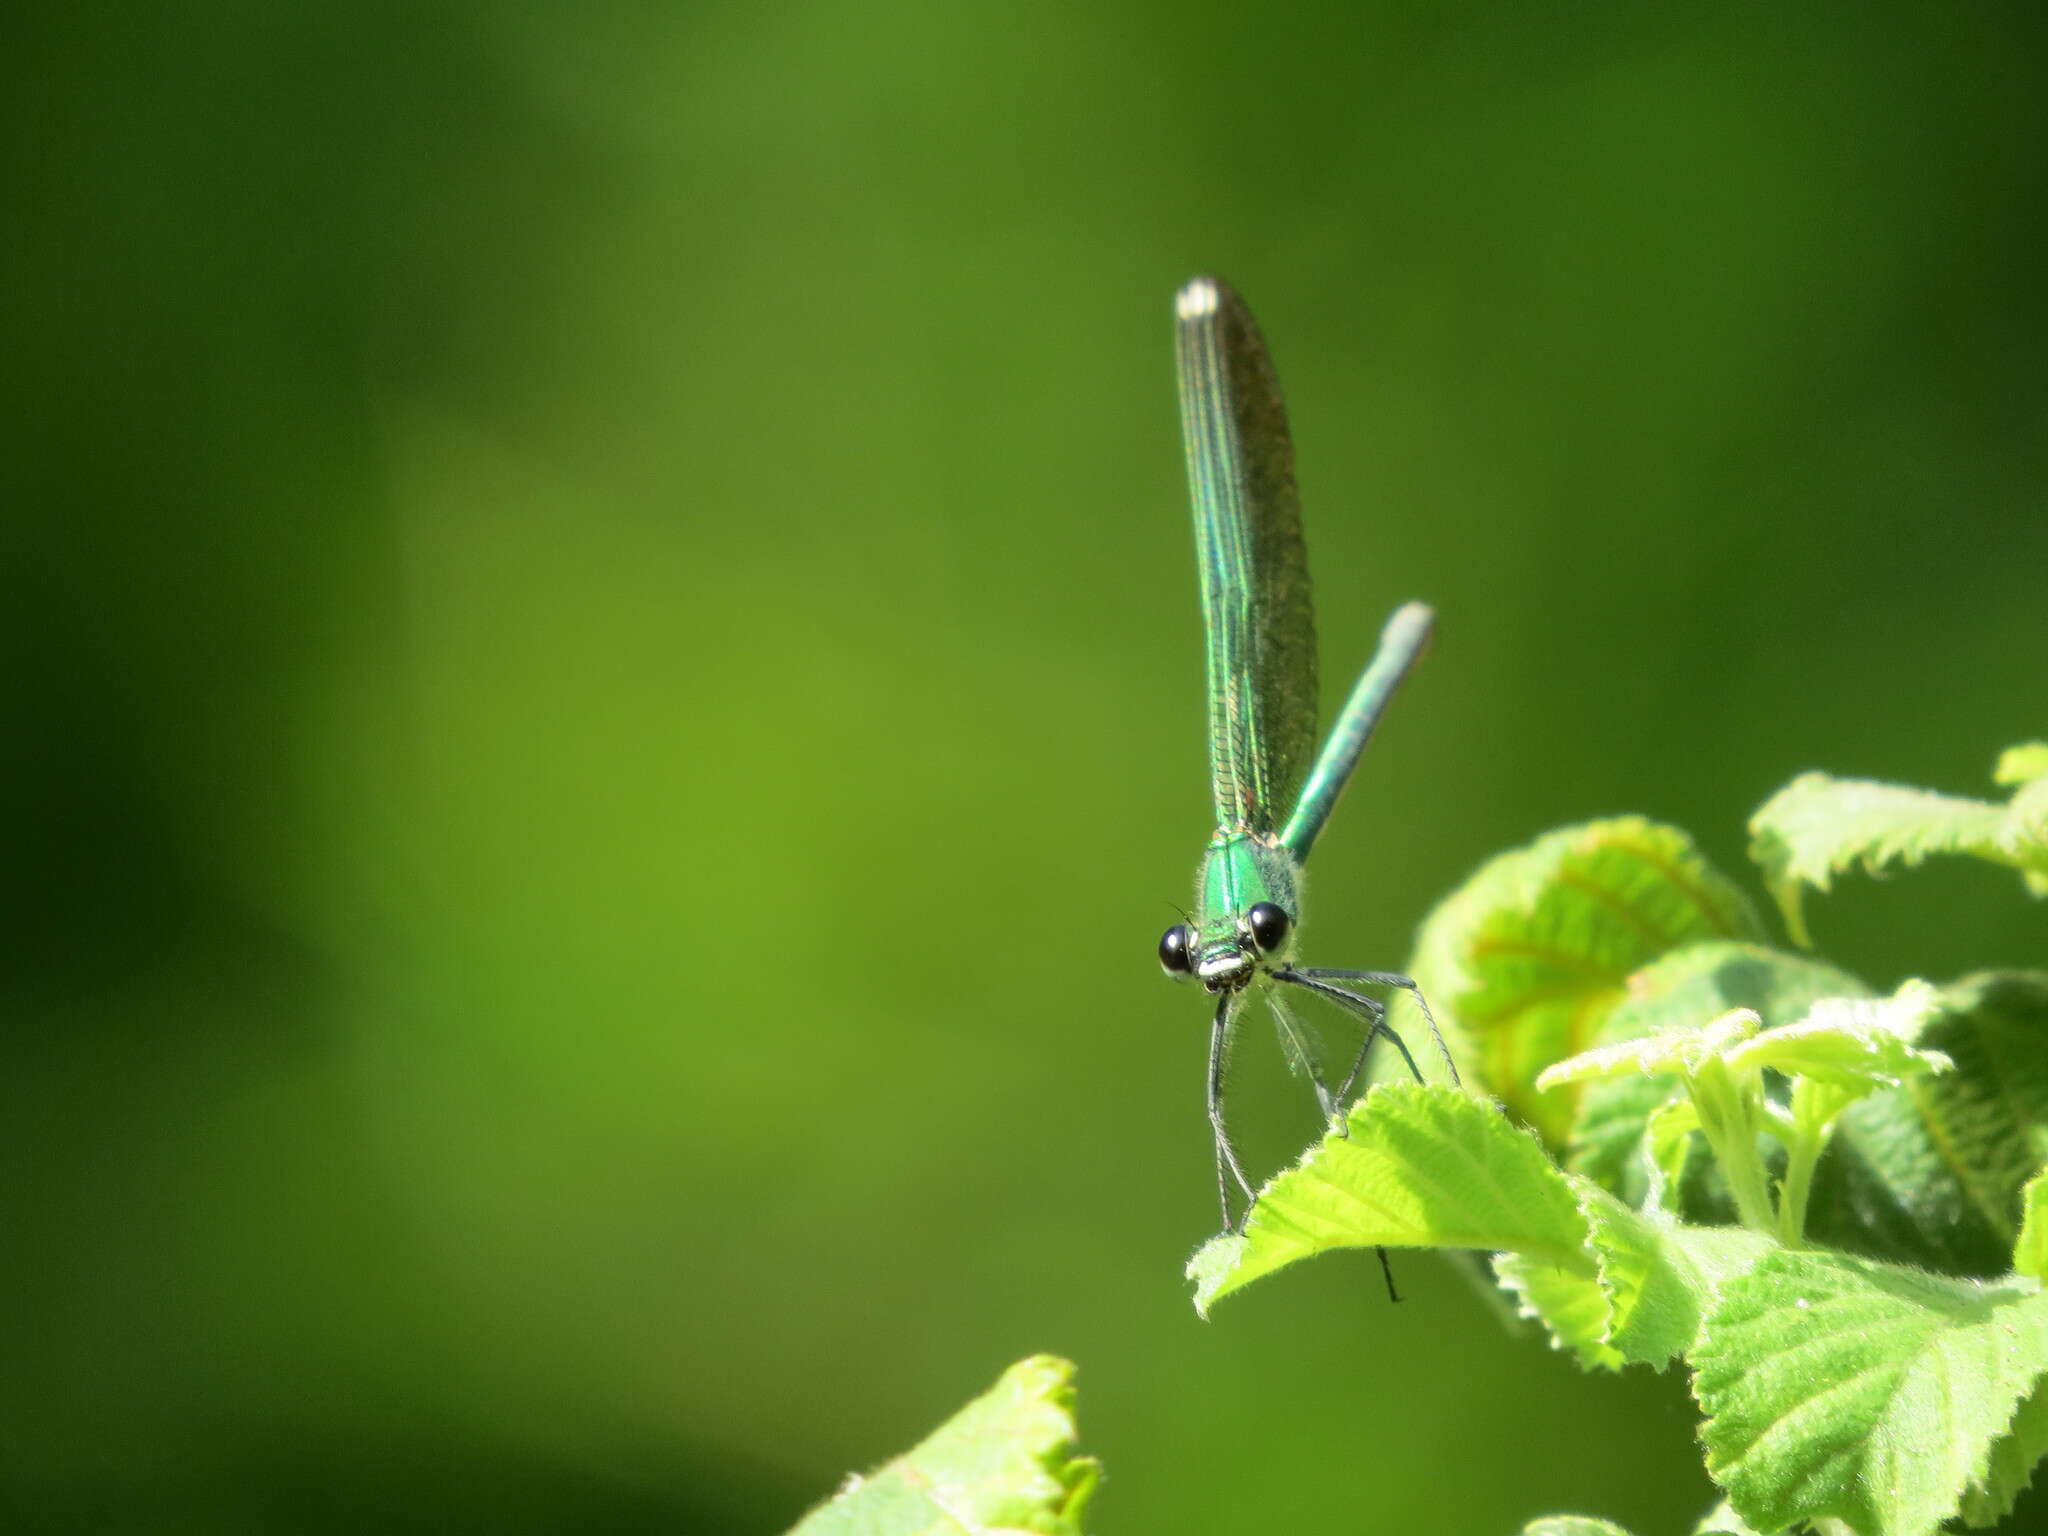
(1198, 299)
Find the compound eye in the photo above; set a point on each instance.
(1268, 925)
(1175, 951)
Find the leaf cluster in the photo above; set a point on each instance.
(1826, 1201)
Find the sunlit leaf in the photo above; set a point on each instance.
(2022, 764)
(1421, 1165)
(1660, 1278)
(2026, 830)
(1992, 1110)
(1668, 1053)
(1526, 959)
(2026, 814)
(1723, 1521)
(1684, 989)
(1932, 1171)
(1572, 1525)
(1568, 1304)
(1652, 1284)
(1819, 826)
(1867, 1392)
(1928, 1172)
(1667, 1143)
(1578, 1308)
(1005, 1463)
(1852, 1042)
(2014, 1460)
(2030, 1253)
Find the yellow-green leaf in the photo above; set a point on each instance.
(1852, 1042)
(1684, 989)
(1819, 826)
(1668, 1053)
(2030, 1253)
(1867, 1392)
(2022, 764)
(1418, 1165)
(1528, 956)
(1005, 1462)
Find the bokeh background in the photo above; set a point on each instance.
(607, 697)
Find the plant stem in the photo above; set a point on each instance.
(1745, 1174)
(1729, 1114)
(1792, 1193)
(1815, 1107)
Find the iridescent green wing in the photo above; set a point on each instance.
(1255, 596)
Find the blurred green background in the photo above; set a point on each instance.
(608, 697)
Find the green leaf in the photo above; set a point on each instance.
(1928, 1173)
(1686, 988)
(1661, 1278)
(1841, 1050)
(2022, 764)
(1723, 1521)
(1667, 1143)
(1852, 1043)
(1868, 1392)
(1652, 1282)
(1933, 1170)
(1416, 1165)
(1526, 958)
(2026, 814)
(2030, 1253)
(1819, 826)
(2013, 1460)
(1004, 1462)
(1992, 1111)
(1569, 1305)
(1572, 1525)
(1668, 1053)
